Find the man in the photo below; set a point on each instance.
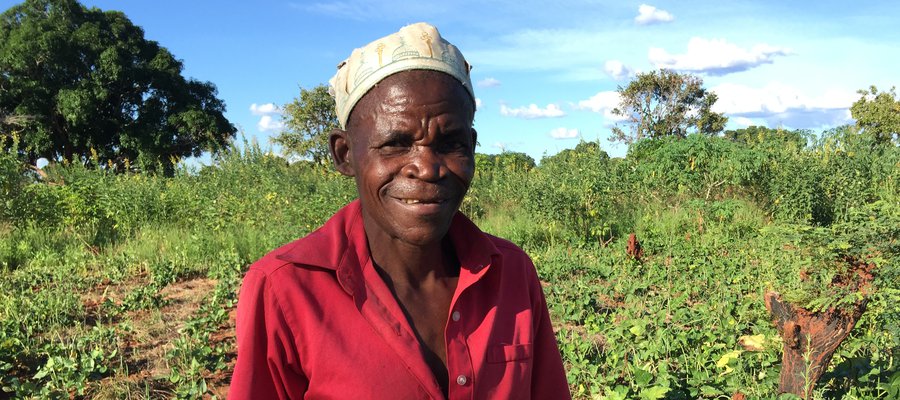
(398, 295)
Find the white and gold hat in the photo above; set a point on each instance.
(416, 46)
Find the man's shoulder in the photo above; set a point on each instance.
(512, 256)
(271, 263)
(293, 283)
(322, 249)
(505, 246)
(514, 266)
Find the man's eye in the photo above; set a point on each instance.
(454, 145)
(394, 146)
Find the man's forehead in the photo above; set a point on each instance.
(392, 94)
(393, 88)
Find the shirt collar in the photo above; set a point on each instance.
(474, 248)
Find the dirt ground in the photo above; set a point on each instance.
(146, 336)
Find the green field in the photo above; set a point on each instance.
(124, 285)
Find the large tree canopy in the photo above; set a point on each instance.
(665, 103)
(73, 80)
(308, 120)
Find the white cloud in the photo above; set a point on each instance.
(775, 98)
(477, 104)
(267, 123)
(743, 121)
(267, 113)
(616, 70)
(603, 103)
(648, 14)
(563, 133)
(779, 104)
(715, 57)
(264, 109)
(532, 111)
(488, 83)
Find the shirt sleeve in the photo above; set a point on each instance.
(267, 366)
(548, 379)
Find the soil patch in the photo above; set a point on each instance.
(147, 336)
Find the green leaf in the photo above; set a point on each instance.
(638, 329)
(726, 359)
(41, 373)
(641, 377)
(654, 393)
(709, 391)
(613, 395)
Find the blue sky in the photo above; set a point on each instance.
(545, 72)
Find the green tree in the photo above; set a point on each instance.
(878, 114)
(758, 135)
(508, 161)
(308, 120)
(665, 103)
(79, 83)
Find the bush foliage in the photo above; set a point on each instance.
(722, 221)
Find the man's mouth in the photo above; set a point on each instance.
(418, 201)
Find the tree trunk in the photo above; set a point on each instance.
(810, 340)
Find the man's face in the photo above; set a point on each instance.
(411, 151)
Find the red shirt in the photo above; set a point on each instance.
(315, 321)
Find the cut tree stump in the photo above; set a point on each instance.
(810, 340)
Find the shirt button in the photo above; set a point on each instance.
(461, 380)
(455, 317)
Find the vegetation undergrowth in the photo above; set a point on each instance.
(123, 285)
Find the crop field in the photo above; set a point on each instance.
(124, 285)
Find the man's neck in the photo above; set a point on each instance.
(414, 266)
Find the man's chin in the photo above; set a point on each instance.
(423, 236)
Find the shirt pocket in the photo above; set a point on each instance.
(501, 353)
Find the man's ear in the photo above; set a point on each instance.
(339, 147)
(474, 139)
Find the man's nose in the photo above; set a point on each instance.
(425, 164)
